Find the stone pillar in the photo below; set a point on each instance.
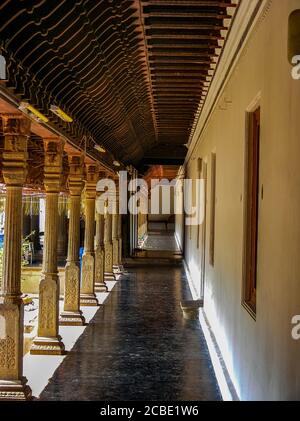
(48, 340)
(108, 247)
(100, 285)
(87, 296)
(120, 240)
(115, 237)
(72, 315)
(12, 383)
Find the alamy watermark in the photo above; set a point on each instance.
(296, 327)
(296, 68)
(136, 197)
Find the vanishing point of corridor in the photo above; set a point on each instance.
(138, 346)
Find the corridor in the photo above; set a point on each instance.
(149, 201)
(138, 346)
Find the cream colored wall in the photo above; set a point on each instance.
(162, 216)
(261, 355)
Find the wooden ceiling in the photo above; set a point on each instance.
(130, 72)
(159, 172)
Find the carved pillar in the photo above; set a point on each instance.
(120, 240)
(72, 315)
(48, 340)
(100, 285)
(115, 236)
(108, 247)
(12, 383)
(87, 296)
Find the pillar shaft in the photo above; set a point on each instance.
(12, 383)
(100, 285)
(62, 241)
(87, 296)
(48, 340)
(108, 247)
(115, 238)
(120, 238)
(74, 229)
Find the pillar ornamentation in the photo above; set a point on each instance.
(115, 236)
(87, 295)
(48, 340)
(13, 385)
(108, 247)
(120, 240)
(72, 315)
(100, 285)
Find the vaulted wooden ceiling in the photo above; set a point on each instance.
(130, 72)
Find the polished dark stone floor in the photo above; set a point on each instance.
(139, 347)
(161, 241)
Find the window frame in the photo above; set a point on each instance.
(251, 207)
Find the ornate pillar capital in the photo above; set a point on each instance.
(75, 179)
(16, 130)
(54, 148)
(91, 179)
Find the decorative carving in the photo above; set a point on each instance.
(47, 308)
(99, 265)
(53, 164)
(15, 125)
(108, 258)
(88, 273)
(15, 390)
(16, 133)
(115, 252)
(75, 179)
(92, 176)
(71, 287)
(7, 353)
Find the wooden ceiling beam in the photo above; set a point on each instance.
(188, 3)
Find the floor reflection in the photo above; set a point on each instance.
(138, 347)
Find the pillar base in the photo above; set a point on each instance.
(71, 318)
(89, 300)
(109, 276)
(47, 346)
(118, 269)
(101, 287)
(15, 390)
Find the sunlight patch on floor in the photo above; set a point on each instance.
(40, 368)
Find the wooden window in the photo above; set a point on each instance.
(251, 210)
(212, 210)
